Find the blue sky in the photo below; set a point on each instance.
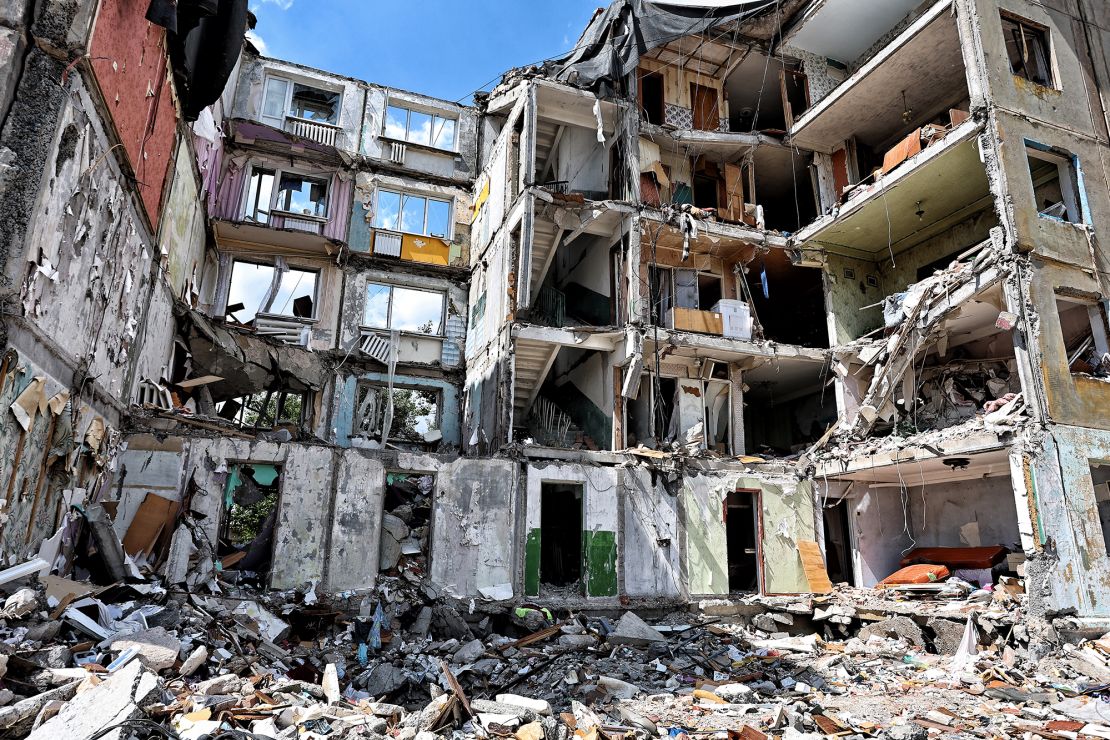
(444, 48)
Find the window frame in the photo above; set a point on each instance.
(283, 395)
(275, 191)
(1071, 182)
(287, 106)
(262, 263)
(356, 430)
(1044, 33)
(409, 110)
(402, 193)
(442, 331)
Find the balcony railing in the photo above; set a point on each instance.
(551, 306)
(318, 131)
(297, 222)
(288, 329)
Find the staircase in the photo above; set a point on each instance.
(532, 361)
(550, 426)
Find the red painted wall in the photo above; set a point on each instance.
(128, 55)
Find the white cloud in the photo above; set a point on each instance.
(279, 4)
(259, 44)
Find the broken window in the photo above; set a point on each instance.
(1056, 185)
(787, 301)
(404, 309)
(415, 418)
(284, 98)
(260, 191)
(1084, 330)
(270, 289)
(295, 194)
(266, 409)
(417, 127)
(838, 543)
(302, 195)
(1027, 45)
(413, 214)
(245, 542)
(718, 416)
(1100, 477)
(560, 543)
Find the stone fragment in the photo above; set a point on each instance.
(194, 661)
(631, 630)
(896, 628)
(470, 651)
(158, 649)
(539, 706)
(120, 697)
(394, 532)
(947, 635)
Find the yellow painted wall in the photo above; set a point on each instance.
(426, 249)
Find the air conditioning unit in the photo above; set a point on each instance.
(387, 243)
(397, 153)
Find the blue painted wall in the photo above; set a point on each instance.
(449, 411)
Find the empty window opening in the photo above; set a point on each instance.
(279, 290)
(406, 520)
(561, 534)
(284, 98)
(1056, 185)
(651, 97)
(787, 301)
(413, 214)
(668, 411)
(1100, 476)
(245, 542)
(417, 127)
(742, 533)
(795, 94)
(267, 409)
(1027, 45)
(414, 416)
(1084, 330)
(718, 416)
(838, 543)
(294, 194)
(709, 290)
(781, 418)
(783, 188)
(404, 309)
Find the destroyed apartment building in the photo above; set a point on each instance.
(727, 291)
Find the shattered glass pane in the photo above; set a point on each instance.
(313, 104)
(300, 194)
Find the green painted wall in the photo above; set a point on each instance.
(601, 563)
(532, 564)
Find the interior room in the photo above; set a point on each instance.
(766, 94)
(958, 512)
(561, 520)
(787, 407)
(787, 301)
(246, 537)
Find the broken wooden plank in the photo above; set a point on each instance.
(814, 566)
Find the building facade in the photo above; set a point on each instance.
(638, 325)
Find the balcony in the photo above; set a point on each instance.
(318, 131)
(297, 222)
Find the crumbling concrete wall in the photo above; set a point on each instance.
(346, 398)
(650, 536)
(474, 530)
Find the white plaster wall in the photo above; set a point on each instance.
(474, 525)
(879, 525)
(650, 545)
(356, 525)
(600, 494)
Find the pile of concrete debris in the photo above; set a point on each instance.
(137, 660)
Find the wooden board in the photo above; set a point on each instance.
(814, 566)
(902, 151)
(691, 319)
(154, 514)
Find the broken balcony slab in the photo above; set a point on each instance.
(695, 345)
(925, 61)
(862, 459)
(942, 185)
(245, 236)
(247, 363)
(275, 140)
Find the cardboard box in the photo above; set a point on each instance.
(691, 319)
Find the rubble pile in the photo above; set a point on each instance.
(135, 659)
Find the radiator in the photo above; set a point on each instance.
(387, 243)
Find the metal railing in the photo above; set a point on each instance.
(318, 131)
(550, 424)
(551, 306)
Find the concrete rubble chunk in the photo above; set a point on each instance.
(631, 630)
(896, 628)
(194, 661)
(120, 697)
(158, 649)
(539, 706)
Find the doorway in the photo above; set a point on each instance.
(651, 97)
(838, 543)
(560, 534)
(742, 532)
(703, 102)
(246, 539)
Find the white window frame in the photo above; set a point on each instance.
(402, 193)
(409, 110)
(1071, 181)
(389, 314)
(283, 268)
(278, 172)
(287, 107)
